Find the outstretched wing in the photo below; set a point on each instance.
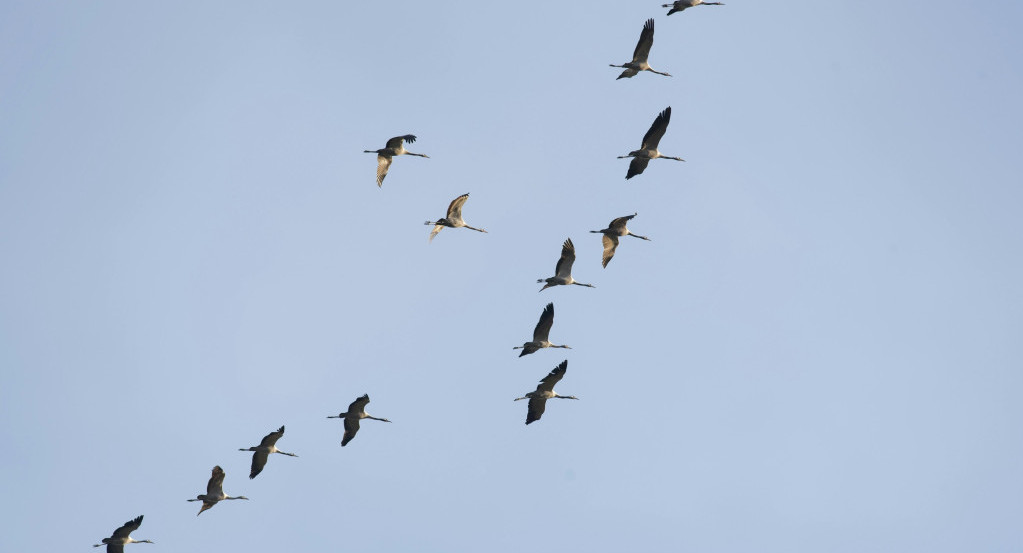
(619, 223)
(610, 243)
(653, 136)
(646, 40)
(215, 487)
(637, 166)
(351, 428)
(436, 229)
(271, 438)
(564, 267)
(552, 378)
(258, 462)
(396, 141)
(128, 528)
(536, 409)
(543, 326)
(455, 209)
(359, 405)
(383, 164)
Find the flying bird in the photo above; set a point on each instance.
(356, 412)
(454, 218)
(639, 56)
(540, 333)
(563, 270)
(122, 536)
(395, 147)
(615, 229)
(681, 5)
(545, 391)
(263, 451)
(648, 150)
(214, 491)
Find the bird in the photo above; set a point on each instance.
(680, 5)
(122, 536)
(214, 491)
(540, 333)
(639, 56)
(648, 150)
(615, 229)
(263, 451)
(394, 148)
(563, 270)
(454, 218)
(356, 412)
(545, 391)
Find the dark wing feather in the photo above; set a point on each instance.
(543, 327)
(610, 243)
(455, 209)
(396, 141)
(351, 427)
(646, 40)
(271, 438)
(359, 404)
(637, 166)
(258, 462)
(216, 483)
(564, 266)
(115, 548)
(552, 378)
(536, 409)
(653, 136)
(619, 223)
(128, 528)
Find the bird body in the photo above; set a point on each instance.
(395, 147)
(540, 333)
(640, 55)
(122, 536)
(648, 150)
(615, 229)
(453, 219)
(563, 270)
(356, 412)
(681, 5)
(544, 391)
(262, 451)
(214, 491)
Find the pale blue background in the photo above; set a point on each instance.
(819, 351)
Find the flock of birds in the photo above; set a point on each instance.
(541, 333)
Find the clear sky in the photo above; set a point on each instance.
(819, 350)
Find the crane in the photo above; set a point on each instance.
(615, 229)
(454, 218)
(356, 412)
(545, 391)
(639, 56)
(214, 491)
(681, 5)
(122, 536)
(263, 451)
(395, 147)
(540, 333)
(648, 150)
(563, 270)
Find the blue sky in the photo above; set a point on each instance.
(818, 350)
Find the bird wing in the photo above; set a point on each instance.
(359, 405)
(646, 40)
(637, 166)
(271, 438)
(258, 462)
(215, 487)
(543, 326)
(619, 223)
(436, 229)
(128, 528)
(536, 409)
(610, 243)
(396, 141)
(653, 136)
(564, 267)
(552, 378)
(351, 428)
(383, 164)
(115, 548)
(455, 209)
